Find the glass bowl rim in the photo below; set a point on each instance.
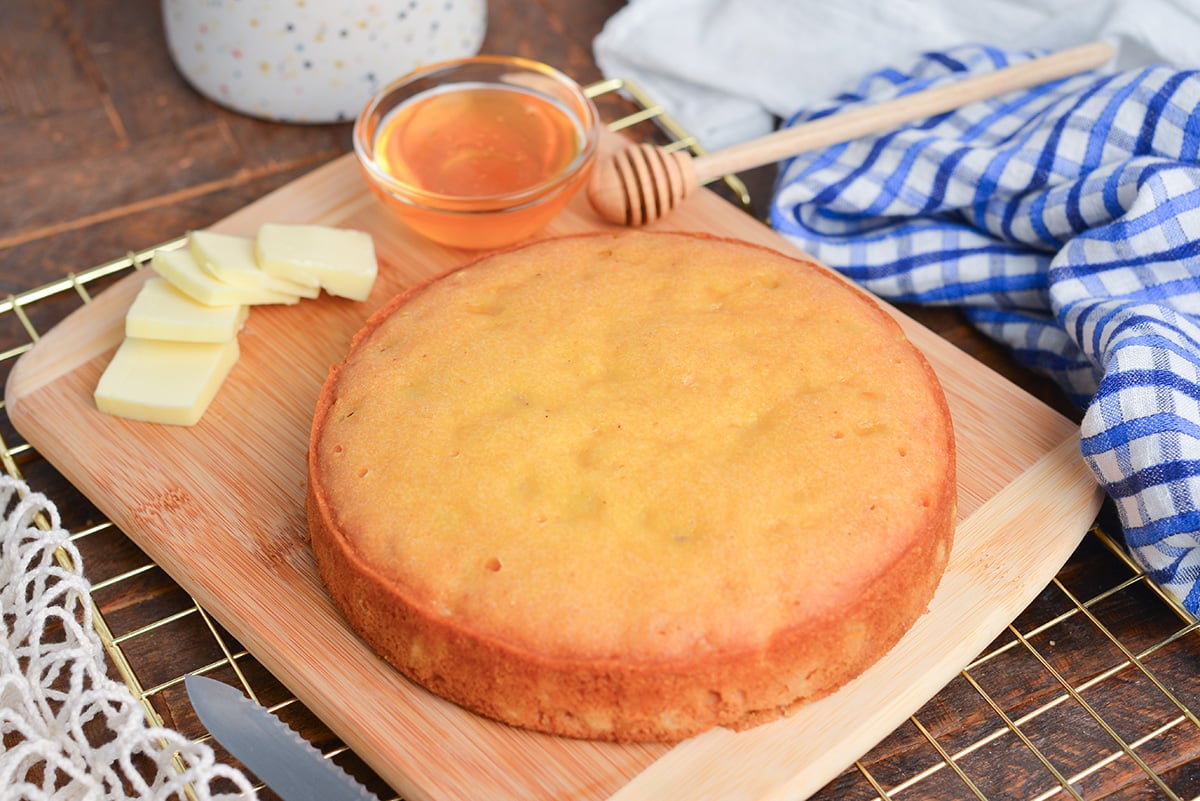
(436, 201)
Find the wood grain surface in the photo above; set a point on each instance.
(104, 149)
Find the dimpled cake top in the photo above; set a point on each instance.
(635, 446)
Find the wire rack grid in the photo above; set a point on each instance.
(1096, 712)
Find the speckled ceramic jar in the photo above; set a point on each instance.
(313, 61)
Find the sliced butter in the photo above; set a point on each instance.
(184, 272)
(339, 260)
(160, 311)
(230, 258)
(164, 382)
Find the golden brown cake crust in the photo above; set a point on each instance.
(547, 498)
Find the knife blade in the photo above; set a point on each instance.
(268, 747)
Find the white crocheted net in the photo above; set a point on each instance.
(67, 731)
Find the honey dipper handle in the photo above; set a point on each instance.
(893, 113)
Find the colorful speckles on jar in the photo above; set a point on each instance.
(313, 61)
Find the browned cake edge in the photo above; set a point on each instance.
(612, 699)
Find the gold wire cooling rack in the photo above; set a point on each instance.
(1088, 695)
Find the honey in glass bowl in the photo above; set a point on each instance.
(479, 152)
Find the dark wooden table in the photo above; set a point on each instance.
(104, 149)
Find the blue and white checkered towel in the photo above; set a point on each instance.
(1065, 221)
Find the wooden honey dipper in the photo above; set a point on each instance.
(641, 183)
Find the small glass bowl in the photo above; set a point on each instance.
(480, 218)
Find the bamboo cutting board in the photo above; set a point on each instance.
(220, 506)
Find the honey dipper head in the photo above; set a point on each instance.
(640, 184)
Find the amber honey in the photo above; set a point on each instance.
(475, 141)
(480, 152)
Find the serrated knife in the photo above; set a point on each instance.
(290, 766)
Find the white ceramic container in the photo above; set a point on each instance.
(313, 61)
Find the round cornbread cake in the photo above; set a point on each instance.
(632, 486)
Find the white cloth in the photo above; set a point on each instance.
(70, 732)
(725, 69)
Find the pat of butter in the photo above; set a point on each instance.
(184, 272)
(340, 260)
(164, 382)
(230, 258)
(160, 311)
